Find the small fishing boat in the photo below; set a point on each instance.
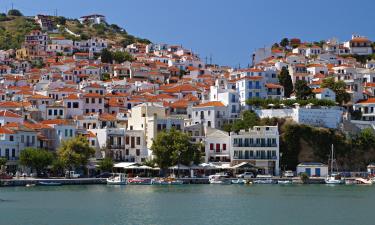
(117, 179)
(239, 181)
(219, 179)
(49, 183)
(166, 181)
(264, 181)
(284, 182)
(139, 181)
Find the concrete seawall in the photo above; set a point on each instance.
(78, 181)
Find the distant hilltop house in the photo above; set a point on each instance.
(93, 19)
(44, 22)
(359, 45)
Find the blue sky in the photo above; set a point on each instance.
(229, 30)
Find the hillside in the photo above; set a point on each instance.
(14, 28)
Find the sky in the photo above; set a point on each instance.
(227, 30)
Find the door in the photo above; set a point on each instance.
(308, 171)
(317, 172)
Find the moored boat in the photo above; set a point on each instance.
(49, 183)
(264, 181)
(219, 179)
(117, 179)
(139, 181)
(285, 182)
(166, 181)
(239, 181)
(333, 178)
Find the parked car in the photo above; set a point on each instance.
(288, 173)
(104, 175)
(246, 175)
(72, 174)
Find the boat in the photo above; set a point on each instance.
(167, 181)
(219, 179)
(30, 185)
(284, 182)
(333, 178)
(49, 183)
(117, 179)
(239, 181)
(139, 181)
(264, 181)
(363, 181)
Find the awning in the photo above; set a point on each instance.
(179, 167)
(244, 165)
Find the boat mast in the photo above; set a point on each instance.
(332, 159)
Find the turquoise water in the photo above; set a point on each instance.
(188, 204)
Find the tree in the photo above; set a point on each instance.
(3, 162)
(286, 80)
(339, 88)
(14, 12)
(121, 57)
(275, 45)
(249, 119)
(284, 42)
(106, 165)
(302, 90)
(172, 147)
(106, 56)
(37, 159)
(75, 152)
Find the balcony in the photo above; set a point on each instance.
(256, 157)
(242, 145)
(116, 146)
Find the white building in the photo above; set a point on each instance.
(313, 169)
(329, 117)
(359, 45)
(217, 146)
(324, 93)
(258, 146)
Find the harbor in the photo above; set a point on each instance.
(188, 204)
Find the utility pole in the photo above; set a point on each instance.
(210, 59)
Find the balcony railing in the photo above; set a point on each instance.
(254, 145)
(256, 157)
(116, 147)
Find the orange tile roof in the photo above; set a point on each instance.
(367, 101)
(7, 113)
(180, 104)
(209, 104)
(271, 85)
(55, 121)
(4, 130)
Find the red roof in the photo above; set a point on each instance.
(209, 104)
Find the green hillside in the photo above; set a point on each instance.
(14, 28)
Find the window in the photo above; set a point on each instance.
(66, 133)
(93, 100)
(87, 100)
(11, 138)
(138, 140)
(7, 153)
(217, 147)
(50, 112)
(75, 105)
(126, 151)
(55, 112)
(70, 105)
(13, 152)
(61, 112)
(71, 133)
(22, 139)
(132, 142)
(127, 139)
(224, 147)
(138, 152)
(100, 100)
(211, 146)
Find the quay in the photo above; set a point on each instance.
(89, 181)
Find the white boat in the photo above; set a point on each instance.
(264, 181)
(239, 181)
(284, 182)
(117, 179)
(219, 179)
(166, 181)
(333, 178)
